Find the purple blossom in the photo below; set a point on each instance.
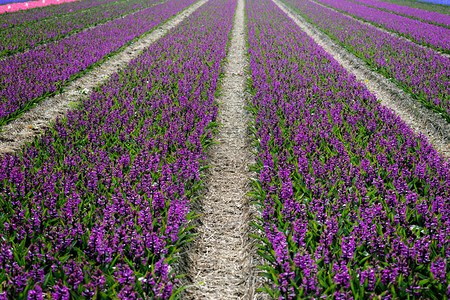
(438, 269)
(60, 292)
(36, 293)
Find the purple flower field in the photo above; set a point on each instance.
(425, 5)
(346, 201)
(30, 35)
(31, 15)
(422, 73)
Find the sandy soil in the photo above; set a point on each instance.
(23, 129)
(432, 125)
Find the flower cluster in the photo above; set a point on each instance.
(99, 205)
(420, 72)
(27, 78)
(354, 204)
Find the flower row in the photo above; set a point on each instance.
(99, 205)
(353, 204)
(428, 5)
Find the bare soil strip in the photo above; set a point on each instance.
(23, 129)
(422, 120)
(220, 256)
(387, 31)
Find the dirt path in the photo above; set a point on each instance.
(386, 31)
(23, 129)
(433, 126)
(220, 256)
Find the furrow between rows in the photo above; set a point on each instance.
(220, 256)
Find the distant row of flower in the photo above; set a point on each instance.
(354, 204)
(27, 78)
(423, 5)
(99, 205)
(416, 13)
(32, 34)
(25, 16)
(422, 73)
(25, 5)
(420, 32)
